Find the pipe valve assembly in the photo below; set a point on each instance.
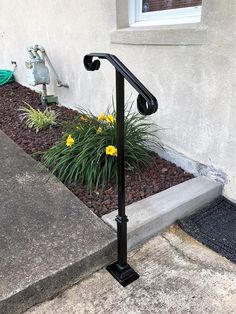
(38, 73)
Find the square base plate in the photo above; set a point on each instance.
(125, 275)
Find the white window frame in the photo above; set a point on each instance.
(163, 17)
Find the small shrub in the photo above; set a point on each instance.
(34, 118)
(87, 153)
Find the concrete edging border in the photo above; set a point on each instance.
(153, 214)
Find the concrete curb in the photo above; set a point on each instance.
(155, 213)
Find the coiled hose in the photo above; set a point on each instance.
(6, 76)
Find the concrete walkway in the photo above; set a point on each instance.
(178, 275)
(48, 238)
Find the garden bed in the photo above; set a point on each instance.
(158, 176)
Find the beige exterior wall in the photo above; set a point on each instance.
(191, 70)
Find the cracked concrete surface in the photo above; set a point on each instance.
(177, 275)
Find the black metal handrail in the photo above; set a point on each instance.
(147, 105)
(146, 102)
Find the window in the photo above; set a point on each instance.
(130, 14)
(164, 12)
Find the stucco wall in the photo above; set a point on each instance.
(192, 73)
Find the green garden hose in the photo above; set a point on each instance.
(6, 76)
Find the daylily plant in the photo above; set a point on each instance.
(87, 152)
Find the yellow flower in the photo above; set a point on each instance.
(110, 118)
(101, 117)
(111, 150)
(69, 141)
(99, 130)
(84, 118)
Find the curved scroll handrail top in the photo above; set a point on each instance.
(146, 102)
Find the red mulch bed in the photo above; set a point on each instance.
(160, 175)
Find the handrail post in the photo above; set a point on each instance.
(121, 270)
(147, 105)
(121, 217)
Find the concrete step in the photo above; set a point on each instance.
(48, 238)
(150, 216)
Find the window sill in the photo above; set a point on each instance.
(174, 35)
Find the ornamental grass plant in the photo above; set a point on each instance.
(87, 153)
(37, 119)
